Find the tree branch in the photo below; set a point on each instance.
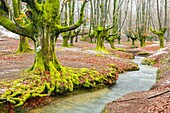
(16, 8)
(161, 32)
(158, 94)
(33, 4)
(77, 24)
(9, 25)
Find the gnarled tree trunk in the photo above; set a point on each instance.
(160, 34)
(45, 56)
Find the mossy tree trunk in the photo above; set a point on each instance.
(115, 22)
(112, 45)
(162, 30)
(90, 34)
(43, 28)
(45, 57)
(72, 38)
(23, 45)
(65, 39)
(128, 39)
(143, 41)
(111, 41)
(161, 40)
(71, 15)
(119, 39)
(119, 22)
(133, 42)
(65, 35)
(100, 41)
(77, 33)
(20, 19)
(101, 31)
(160, 34)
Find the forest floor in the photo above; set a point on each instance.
(81, 55)
(157, 99)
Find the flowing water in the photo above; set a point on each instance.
(94, 102)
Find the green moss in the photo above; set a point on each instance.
(148, 61)
(160, 34)
(65, 39)
(105, 110)
(121, 49)
(24, 46)
(113, 66)
(143, 54)
(102, 50)
(46, 84)
(133, 46)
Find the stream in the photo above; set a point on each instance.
(94, 102)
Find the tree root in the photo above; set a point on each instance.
(46, 84)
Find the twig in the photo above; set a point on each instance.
(126, 100)
(158, 94)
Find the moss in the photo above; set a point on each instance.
(105, 110)
(102, 50)
(8, 24)
(160, 34)
(45, 84)
(134, 67)
(65, 36)
(133, 46)
(121, 49)
(99, 55)
(143, 54)
(149, 61)
(23, 46)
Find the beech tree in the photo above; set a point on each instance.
(43, 28)
(69, 9)
(23, 45)
(161, 30)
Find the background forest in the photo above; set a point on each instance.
(64, 47)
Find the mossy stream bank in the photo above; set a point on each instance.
(94, 102)
(20, 91)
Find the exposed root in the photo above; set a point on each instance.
(45, 84)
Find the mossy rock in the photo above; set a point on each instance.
(121, 49)
(134, 67)
(149, 61)
(132, 47)
(143, 54)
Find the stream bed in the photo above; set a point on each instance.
(94, 102)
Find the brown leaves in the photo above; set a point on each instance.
(37, 101)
